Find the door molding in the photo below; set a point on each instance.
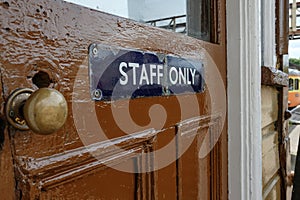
(244, 99)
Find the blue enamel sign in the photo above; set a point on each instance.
(117, 73)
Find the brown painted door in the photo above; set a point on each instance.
(163, 147)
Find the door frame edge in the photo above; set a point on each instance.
(244, 99)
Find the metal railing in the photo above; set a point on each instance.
(174, 23)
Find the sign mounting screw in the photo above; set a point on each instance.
(97, 95)
(95, 51)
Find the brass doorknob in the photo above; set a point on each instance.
(44, 111)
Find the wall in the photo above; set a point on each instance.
(270, 151)
(144, 10)
(118, 7)
(139, 10)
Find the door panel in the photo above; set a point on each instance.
(103, 180)
(194, 181)
(53, 37)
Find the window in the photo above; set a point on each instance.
(196, 18)
(296, 84)
(291, 84)
(202, 20)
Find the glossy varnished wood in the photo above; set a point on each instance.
(53, 37)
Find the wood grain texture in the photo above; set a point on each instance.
(270, 157)
(269, 105)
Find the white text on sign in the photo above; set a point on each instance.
(154, 73)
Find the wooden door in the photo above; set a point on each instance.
(159, 147)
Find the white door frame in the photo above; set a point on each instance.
(244, 99)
